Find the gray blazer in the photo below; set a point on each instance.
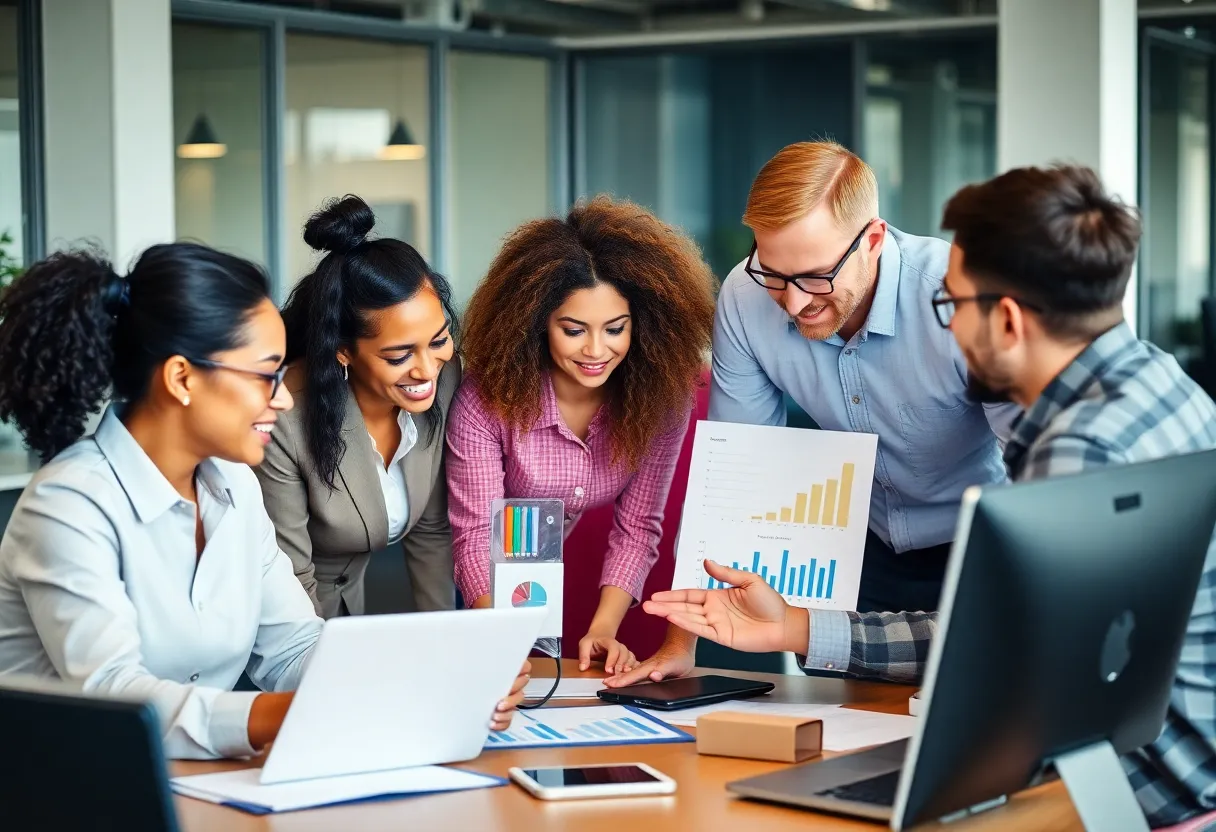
(330, 536)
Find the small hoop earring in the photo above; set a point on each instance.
(186, 401)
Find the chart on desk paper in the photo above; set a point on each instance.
(788, 504)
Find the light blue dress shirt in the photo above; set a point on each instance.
(901, 376)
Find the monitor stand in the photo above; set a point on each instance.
(1100, 790)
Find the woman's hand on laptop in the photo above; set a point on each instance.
(501, 720)
(750, 615)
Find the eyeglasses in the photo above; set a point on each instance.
(944, 304)
(812, 284)
(275, 378)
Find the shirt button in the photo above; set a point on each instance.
(578, 491)
(848, 351)
(199, 606)
(857, 400)
(828, 666)
(194, 677)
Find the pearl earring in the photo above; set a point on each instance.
(186, 401)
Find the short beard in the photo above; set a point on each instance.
(983, 391)
(824, 331)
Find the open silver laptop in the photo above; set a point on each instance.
(1049, 653)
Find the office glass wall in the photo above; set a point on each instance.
(15, 216)
(218, 128)
(499, 156)
(929, 123)
(357, 121)
(11, 217)
(684, 133)
(1176, 262)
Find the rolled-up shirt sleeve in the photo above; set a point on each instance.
(67, 566)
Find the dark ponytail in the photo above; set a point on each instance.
(329, 308)
(73, 332)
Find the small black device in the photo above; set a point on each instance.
(81, 762)
(674, 694)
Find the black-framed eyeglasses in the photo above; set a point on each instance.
(810, 282)
(945, 304)
(275, 378)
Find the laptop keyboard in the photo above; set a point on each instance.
(879, 790)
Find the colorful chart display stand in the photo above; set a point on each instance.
(526, 540)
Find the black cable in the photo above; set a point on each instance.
(556, 655)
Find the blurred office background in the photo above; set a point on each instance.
(459, 119)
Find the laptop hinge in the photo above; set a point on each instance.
(974, 810)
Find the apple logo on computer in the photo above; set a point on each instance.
(1116, 649)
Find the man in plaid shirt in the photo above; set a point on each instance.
(1038, 269)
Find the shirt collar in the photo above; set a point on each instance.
(551, 416)
(881, 320)
(1066, 389)
(150, 493)
(409, 438)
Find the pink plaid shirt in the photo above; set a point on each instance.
(486, 461)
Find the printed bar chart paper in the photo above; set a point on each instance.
(593, 725)
(788, 504)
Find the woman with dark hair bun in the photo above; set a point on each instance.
(139, 561)
(359, 464)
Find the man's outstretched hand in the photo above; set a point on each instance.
(750, 615)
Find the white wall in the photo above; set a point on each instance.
(109, 124)
(1067, 91)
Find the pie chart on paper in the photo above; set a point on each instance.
(529, 594)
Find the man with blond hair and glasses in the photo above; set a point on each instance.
(832, 309)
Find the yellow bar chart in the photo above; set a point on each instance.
(826, 504)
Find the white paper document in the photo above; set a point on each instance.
(566, 689)
(759, 705)
(789, 504)
(844, 729)
(242, 789)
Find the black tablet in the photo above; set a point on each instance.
(689, 692)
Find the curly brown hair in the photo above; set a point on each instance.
(657, 269)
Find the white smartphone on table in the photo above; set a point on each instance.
(579, 782)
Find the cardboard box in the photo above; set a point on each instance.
(783, 739)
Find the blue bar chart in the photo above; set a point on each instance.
(788, 505)
(813, 580)
(595, 725)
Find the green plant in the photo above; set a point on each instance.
(10, 268)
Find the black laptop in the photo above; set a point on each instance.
(80, 763)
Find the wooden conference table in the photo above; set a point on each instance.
(701, 802)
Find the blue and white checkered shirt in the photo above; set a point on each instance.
(1121, 401)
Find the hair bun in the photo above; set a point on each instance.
(340, 225)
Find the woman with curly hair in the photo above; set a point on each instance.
(583, 345)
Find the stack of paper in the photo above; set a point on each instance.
(566, 688)
(242, 789)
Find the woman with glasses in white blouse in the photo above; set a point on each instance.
(140, 561)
